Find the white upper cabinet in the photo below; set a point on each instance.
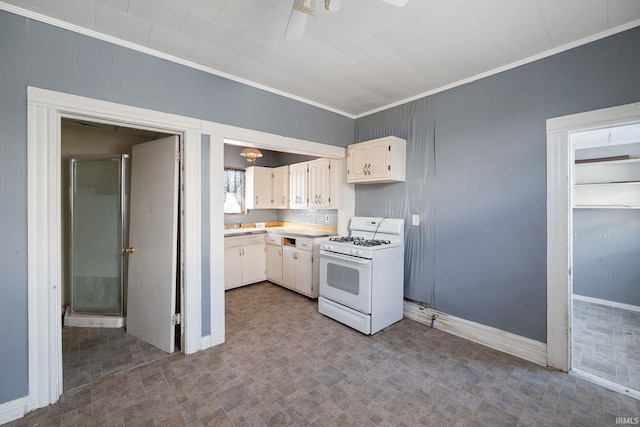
(258, 191)
(267, 188)
(280, 183)
(314, 184)
(378, 160)
(298, 185)
(319, 184)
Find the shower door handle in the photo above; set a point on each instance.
(128, 250)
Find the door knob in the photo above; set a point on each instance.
(128, 250)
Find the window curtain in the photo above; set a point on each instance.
(233, 191)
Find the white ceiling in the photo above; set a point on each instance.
(367, 56)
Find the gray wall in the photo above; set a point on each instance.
(36, 54)
(606, 250)
(477, 176)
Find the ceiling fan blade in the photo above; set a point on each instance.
(295, 27)
(399, 3)
(333, 5)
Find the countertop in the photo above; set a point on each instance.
(301, 231)
(285, 231)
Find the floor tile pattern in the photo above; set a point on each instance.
(284, 364)
(606, 342)
(91, 353)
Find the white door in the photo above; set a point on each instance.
(274, 263)
(153, 236)
(304, 272)
(289, 266)
(232, 267)
(379, 161)
(357, 162)
(298, 183)
(254, 264)
(281, 187)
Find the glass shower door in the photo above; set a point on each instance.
(97, 234)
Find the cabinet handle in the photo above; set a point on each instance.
(256, 200)
(283, 200)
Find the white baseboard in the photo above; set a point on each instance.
(516, 345)
(13, 410)
(614, 304)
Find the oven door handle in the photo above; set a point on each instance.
(346, 258)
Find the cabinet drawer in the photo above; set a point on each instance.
(274, 239)
(304, 243)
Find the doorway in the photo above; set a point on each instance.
(605, 297)
(561, 146)
(95, 193)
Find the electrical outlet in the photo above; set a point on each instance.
(326, 219)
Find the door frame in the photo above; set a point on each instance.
(45, 111)
(45, 108)
(560, 159)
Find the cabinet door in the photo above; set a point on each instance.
(262, 186)
(304, 272)
(289, 255)
(319, 183)
(357, 162)
(378, 159)
(281, 187)
(298, 184)
(232, 267)
(253, 263)
(274, 263)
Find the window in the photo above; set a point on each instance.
(234, 191)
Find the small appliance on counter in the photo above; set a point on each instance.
(362, 275)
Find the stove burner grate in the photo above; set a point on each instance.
(346, 239)
(371, 242)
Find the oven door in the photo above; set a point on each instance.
(346, 280)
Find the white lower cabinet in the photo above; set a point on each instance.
(290, 263)
(274, 258)
(297, 267)
(244, 260)
(297, 270)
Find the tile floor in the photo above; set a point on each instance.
(91, 353)
(606, 342)
(285, 364)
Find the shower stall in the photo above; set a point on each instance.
(98, 234)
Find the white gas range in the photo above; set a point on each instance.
(362, 275)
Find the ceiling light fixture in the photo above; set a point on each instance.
(251, 154)
(304, 6)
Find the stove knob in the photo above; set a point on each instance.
(330, 247)
(354, 252)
